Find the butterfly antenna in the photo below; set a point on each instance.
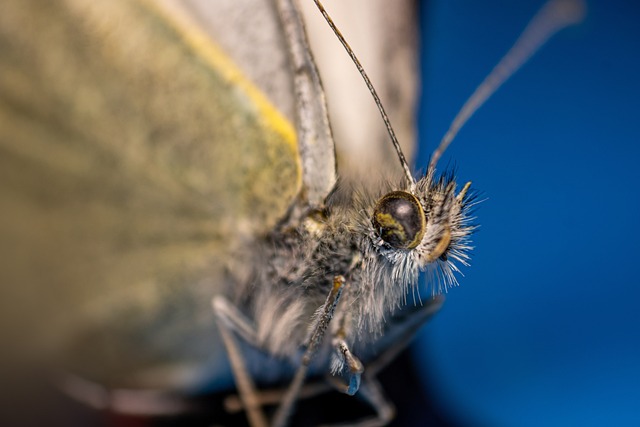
(383, 113)
(554, 16)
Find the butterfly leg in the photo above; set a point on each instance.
(399, 331)
(322, 323)
(231, 321)
(351, 369)
(350, 382)
(346, 369)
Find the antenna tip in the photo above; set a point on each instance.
(569, 11)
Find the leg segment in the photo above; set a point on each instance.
(397, 336)
(229, 321)
(322, 323)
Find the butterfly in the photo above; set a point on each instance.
(135, 204)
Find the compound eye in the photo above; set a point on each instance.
(399, 220)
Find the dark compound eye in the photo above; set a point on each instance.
(399, 220)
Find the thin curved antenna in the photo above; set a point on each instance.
(554, 16)
(383, 113)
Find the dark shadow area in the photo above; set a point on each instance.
(28, 408)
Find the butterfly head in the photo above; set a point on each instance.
(427, 223)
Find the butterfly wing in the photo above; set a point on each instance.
(135, 157)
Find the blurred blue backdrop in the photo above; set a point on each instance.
(544, 329)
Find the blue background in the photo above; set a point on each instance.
(544, 329)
